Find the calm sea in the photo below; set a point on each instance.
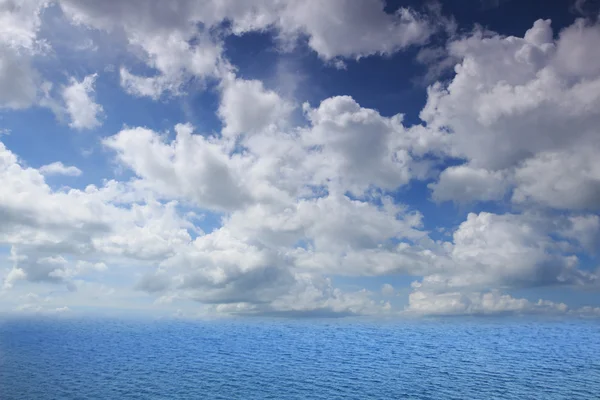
(282, 359)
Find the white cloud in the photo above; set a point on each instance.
(15, 274)
(387, 33)
(141, 86)
(344, 147)
(560, 179)
(172, 42)
(166, 37)
(57, 237)
(587, 311)
(300, 198)
(20, 22)
(362, 27)
(508, 108)
(80, 105)
(192, 166)
(19, 25)
(477, 303)
(177, 62)
(58, 168)
(357, 147)
(464, 184)
(54, 234)
(501, 251)
(284, 195)
(247, 107)
(78, 269)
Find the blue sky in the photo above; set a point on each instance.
(347, 158)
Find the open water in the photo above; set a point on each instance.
(285, 359)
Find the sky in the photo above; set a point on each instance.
(300, 158)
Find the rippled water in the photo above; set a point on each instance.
(82, 359)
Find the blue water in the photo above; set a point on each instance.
(252, 359)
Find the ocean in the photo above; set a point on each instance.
(299, 359)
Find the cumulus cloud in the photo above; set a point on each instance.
(83, 111)
(20, 21)
(177, 62)
(508, 249)
(387, 32)
(192, 166)
(364, 28)
(477, 303)
(167, 35)
(15, 274)
(247, 107)
(567, 179)
(19, 24)
(288, 210)
(173, 42)
(344, 147)
(507, 109)
(55, 236)
(58, 168)
(304, 193)
(464, 184)
(358, 147)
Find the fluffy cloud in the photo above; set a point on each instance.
(508, 250)
(192, 166)
(344, 147)
(304, 194)
(362, 27)
(507, 110)
(239, 276)
(247, 107)
(568, 179)
(505, 113)
(58, 168)
(387, 33)
(281, 230)
(62, 230)
(167, 37)
(357, 147)
(464, 184)
(172, 42)
(477, 303)
(19, 24)
(285, 194)
(80, 105)
(177, 61)
(270, 257)
(58, 237)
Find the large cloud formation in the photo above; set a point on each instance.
(302, 200)
(524, 111)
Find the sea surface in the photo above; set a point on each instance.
(288, 359)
